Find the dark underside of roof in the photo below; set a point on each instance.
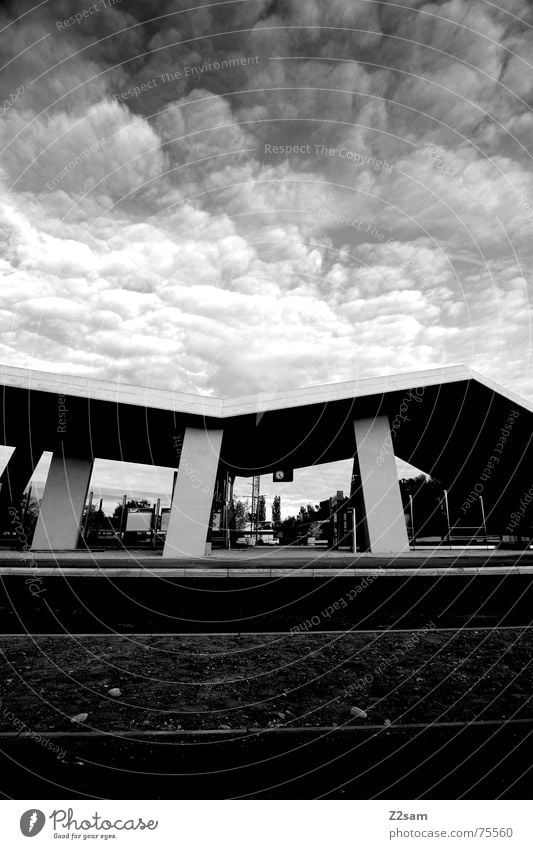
(462, 433)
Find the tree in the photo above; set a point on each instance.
(307, 514)
(276, 511)
(288, 529)
(30, 512)
(298, 527)
(261, 508)
(129, 504)
(241, 513)
(427, 494)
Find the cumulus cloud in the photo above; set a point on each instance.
(263, 195)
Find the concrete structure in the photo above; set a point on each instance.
(380, 503)
(192, 498)
(452, 423)
(65, 493)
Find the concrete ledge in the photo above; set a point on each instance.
(174, 572)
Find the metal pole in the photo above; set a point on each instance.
(413, 535)
(252, 511)
(155, 521)
(258, 490)
(354, 527)
(227, 490)
(447, 517)
(483, 518)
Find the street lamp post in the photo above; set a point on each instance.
(413, 536)
(483, 519)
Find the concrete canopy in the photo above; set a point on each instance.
(448, 422)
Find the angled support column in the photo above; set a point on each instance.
(65, 493)
(377, 497)
(15, 478)
(193, 493)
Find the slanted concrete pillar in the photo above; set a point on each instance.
(193, 494)
(65, 493)
(377, 494)
(15, 478)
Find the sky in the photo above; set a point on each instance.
(251, 196)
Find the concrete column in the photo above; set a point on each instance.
(378, 493)
(65, 493)
(193, 494)
(15, 478)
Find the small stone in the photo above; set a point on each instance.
(361, 714)
(114, 691)
(224, 727)
(387, 723)
(79, 717)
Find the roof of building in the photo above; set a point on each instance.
(205, 405)
(458, 425)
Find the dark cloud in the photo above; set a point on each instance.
(182, 185)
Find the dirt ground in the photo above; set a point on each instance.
(290, 680)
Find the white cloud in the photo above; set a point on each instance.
(240, 272)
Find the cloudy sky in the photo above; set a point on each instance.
(263, 194)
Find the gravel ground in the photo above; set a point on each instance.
(234, 681)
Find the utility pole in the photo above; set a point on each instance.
(256, 487)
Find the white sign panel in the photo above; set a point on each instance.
(139, 520)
